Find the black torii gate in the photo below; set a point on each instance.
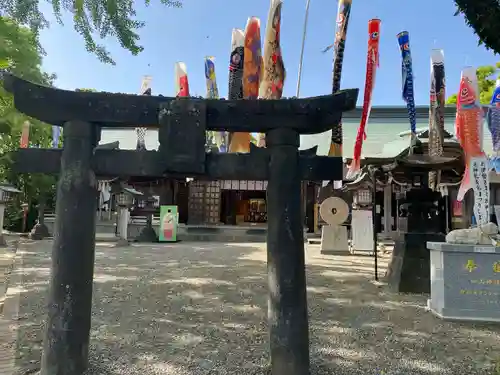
(182, 124)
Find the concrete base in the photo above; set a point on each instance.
(464, 282)
(39, 232)
(122, 242)
(334, 240)
(463, 315)
(3, 243)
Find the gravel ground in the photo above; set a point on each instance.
(7, 255)
(189, 309)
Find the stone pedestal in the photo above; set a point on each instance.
(465, 281)
(362, 231)
(123, 227)
(334, 240)
(409, 268)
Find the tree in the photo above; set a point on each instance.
(486, 77)
(484, 18)
(20, 55)
(104, 18)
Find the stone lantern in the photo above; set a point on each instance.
(363, 197)
(125, 200)
(7, 193)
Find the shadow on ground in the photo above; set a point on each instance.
(202, 309)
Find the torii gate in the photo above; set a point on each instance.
(182, 124)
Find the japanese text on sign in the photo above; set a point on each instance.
(472, 266)
(480, 185)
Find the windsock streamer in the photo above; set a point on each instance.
(252, 69)
(493, 118)
(436, 112)
(25, 135)
(56, 135)
(235, 90)
(469, 121)
(181, 79)
(212, 90)
(372, 64)
(273, 72)
(407, 80)
(141, 131)
(213, 93)
(343, 14)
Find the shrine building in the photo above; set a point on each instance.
(243, 203)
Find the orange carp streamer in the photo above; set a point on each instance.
(468, 124)
(372, 64)
(252, 72)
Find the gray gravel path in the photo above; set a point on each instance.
(189, 309)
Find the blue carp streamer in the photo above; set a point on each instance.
(407, 76)
(213, 93)
(493, 121)
(493, 118)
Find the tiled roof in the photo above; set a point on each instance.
(383, 129)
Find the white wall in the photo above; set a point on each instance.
(128, 138)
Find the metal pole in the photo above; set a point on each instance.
(374, 217)
(304, 32)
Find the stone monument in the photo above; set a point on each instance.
(465, 281)
(334, 211)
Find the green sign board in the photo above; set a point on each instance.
(168, 223)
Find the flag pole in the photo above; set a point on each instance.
(304, 32)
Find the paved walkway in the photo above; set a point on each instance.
(189, 309)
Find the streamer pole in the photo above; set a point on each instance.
(304, 33)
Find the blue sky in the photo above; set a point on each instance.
(203, 28)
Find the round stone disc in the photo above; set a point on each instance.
(334, 211)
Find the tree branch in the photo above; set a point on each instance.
(483, 16)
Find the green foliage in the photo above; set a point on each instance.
(484, 18)
(91, 19)
(19, 51)
(486, 78)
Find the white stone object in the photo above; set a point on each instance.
(123, 223)
(362, 231)
(456, 293)
(334, 210)
(480, 235)
(334, 240)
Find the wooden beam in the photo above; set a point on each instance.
(56, 107)
(129, 163)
